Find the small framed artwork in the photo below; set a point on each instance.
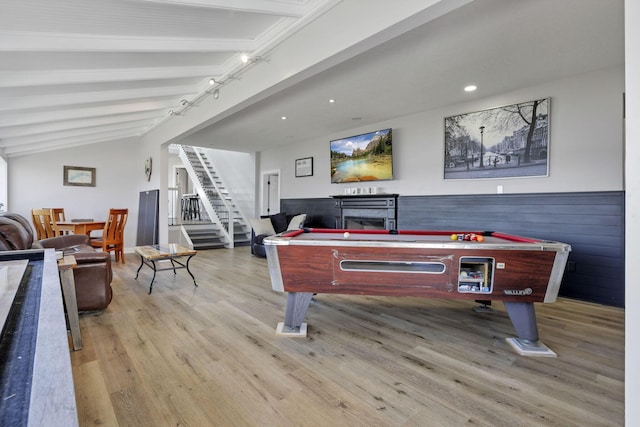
(304, 167)
(79, 176)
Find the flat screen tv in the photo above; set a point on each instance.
(366, 157)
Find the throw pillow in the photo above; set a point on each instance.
(262, 226)
(297, 222)
(279, 222)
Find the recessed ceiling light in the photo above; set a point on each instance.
(244, 58)
(212, 81)
(284, 117)
(331, 101)
(470, 88)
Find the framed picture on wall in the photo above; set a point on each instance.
(511, 141)
(79, 176)
(304, 167)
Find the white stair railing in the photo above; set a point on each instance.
(197, 183)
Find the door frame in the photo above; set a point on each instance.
(264, 189)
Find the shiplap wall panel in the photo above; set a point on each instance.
(591, 222)
(320, 212)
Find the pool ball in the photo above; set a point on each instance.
(346, 234)
(480, 238)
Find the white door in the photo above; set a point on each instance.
(270, 193)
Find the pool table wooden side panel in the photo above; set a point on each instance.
(316, 269)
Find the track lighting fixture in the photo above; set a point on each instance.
(215, 85)
(246, 59)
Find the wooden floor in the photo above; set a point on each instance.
(208, 356)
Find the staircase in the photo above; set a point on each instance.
(227, 227)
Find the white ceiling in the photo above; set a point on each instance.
(77, 72)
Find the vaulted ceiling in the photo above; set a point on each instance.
(88, 71)
(75, 72)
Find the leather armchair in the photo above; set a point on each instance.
(93, 274)
(15, 232)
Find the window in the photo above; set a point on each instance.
(4, 184)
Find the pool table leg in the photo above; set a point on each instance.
(297, 306)
(523, 317)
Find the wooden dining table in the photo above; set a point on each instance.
(80, 227)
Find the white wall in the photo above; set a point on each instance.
(632, 216)
(159, 153)
(586, 145)
(36, 181)
(236, 170)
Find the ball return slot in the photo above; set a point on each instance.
(393, 266)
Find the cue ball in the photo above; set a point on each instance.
(346, 234)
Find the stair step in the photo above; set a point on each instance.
(206, 238)
(208, 246)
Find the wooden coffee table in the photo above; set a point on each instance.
(149, 255)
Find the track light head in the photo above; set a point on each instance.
(216, 94)
(246, 59)
(212, 81)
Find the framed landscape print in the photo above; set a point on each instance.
(79, 176)
(504, 142)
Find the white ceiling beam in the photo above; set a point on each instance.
(74, 98)
(90, 112)
(42, 147)
(35, 129)
(12, 41)
(290, 8)
(103, 75)
(69, 134)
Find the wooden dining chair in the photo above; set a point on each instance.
(58, 214)
(112, 238)
(45, 223)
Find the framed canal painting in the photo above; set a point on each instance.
(503, 142)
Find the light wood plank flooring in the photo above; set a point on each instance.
(209, 356)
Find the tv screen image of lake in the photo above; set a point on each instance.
(366, 157)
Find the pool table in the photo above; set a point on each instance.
(472, 265)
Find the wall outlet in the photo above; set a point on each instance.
(500, 189)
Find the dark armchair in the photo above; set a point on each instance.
(272, 224)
